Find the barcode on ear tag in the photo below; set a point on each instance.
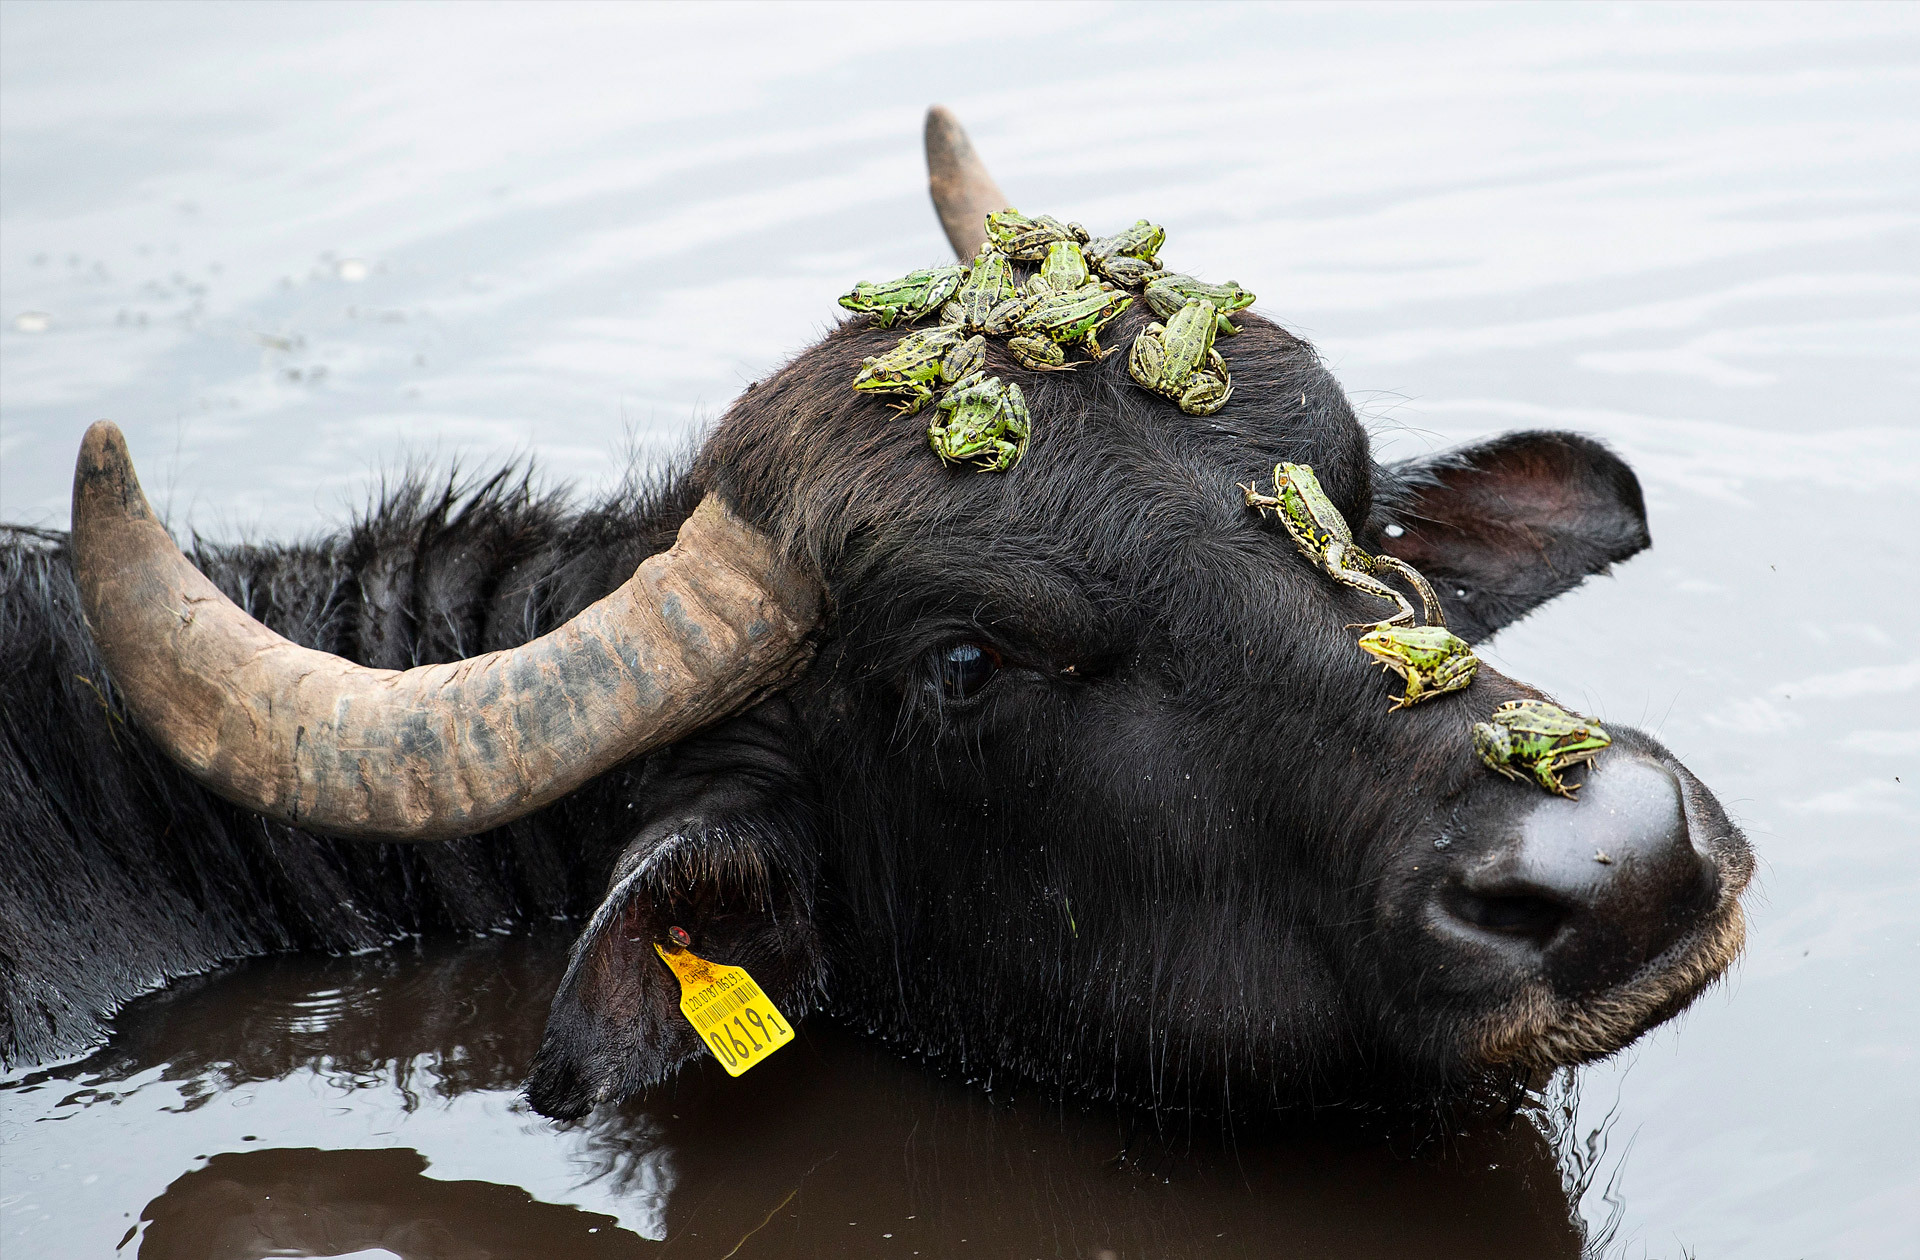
(730, 1012)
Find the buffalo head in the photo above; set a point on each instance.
(1080, 779)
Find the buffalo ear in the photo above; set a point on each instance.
(725, 855)
(1502, 526)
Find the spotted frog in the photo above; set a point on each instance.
(1129, 257)
(1321, 533)
(989, 285)
(1537, 740)
(1432, 659)
(983, 422)
(908, 298)
(1044, 323)
(921, 362)
(1179, 361)
(1168, 292)
(1028, 240)
(1064, 270)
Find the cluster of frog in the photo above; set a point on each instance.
(1521, 739)
(1080, 285)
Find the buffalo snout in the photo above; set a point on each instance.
(1558, 930)
(1585, 892)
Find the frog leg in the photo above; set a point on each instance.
(1413, 693)
(937, 439)
(1019, 420)
(1092, 342)
(1429, 602)
(1205, 394)
(1001, 319)
(1128, 273)
(1148, 358)
(1455, 675)
(1545, 773)
(1040, 354)
(1504, 768)
(964, 360)
(917, 397)
(1568, 763)
(1337, 562)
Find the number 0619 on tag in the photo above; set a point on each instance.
(730, 1012)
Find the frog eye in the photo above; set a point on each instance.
(966, 668)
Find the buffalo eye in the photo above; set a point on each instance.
(965, 668)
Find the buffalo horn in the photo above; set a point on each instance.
(440, 750)
(963, 193)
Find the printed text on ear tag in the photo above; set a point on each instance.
(736, 1020)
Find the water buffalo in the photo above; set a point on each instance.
(1070, 774)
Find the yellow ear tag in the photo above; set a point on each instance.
(738, 1022)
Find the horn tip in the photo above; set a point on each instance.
(949, 148)
(963, 192)
(103, 471)
(103, 438)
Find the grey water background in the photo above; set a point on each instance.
(291, 248)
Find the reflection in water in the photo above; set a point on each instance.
(833, 1148)
(304, 1202)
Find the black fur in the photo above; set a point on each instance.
(1145, 863)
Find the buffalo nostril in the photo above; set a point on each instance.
(1523, 915)
(1587, 891)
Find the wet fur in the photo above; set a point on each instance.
(1143, 867)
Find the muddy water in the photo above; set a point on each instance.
(290, 248)
(321, 1107)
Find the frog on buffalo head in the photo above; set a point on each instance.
(1084, 780)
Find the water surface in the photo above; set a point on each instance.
(291, 248)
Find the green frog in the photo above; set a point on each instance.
(1043, 324)
(1169, 291)
(1432, 659)
(989, 285)
(1537, 740)
(981, 421)
(1129, 256)
(1179, 361)
(922, 361)
(1028, 240)
(1321, 533)
(1064, 270)
(909, 297)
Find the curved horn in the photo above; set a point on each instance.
(963, 193)
(441, 750)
